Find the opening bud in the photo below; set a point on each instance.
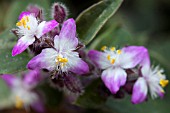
(36, 10)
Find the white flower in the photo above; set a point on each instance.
(29, 29)
(152, 80)
(62, 57)
(114, 62)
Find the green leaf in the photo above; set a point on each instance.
(7, 39)
(11, 64)
(151, 106)
(92, 97)
(115, 35)
(90, 21)
(18, 6)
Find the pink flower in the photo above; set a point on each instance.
(22, 94)
(62, 57)
(151, 80)
(29, 29)
(114, 62)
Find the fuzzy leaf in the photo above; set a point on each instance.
(11, 64)
(151, 106)
(90, 21)
(7, 39)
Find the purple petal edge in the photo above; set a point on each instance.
(9, 79)
(80, 68)
(94, 56)
(24, 13)
(38, 106)
(114, 79)
(22, 45)
(136, 54)
(50, 25)
(32, 77)
(140, 90)
(68, 30)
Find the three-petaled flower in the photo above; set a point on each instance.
(151, 79)
(62, 57)
(114, 63)
(22, 94)
(29, 29)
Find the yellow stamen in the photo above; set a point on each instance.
(19, 103)
(113, 61)
(23, 22)
(164, 83)
(112, 48)
(103, 48)
(108, 57)
(28, 27)
(61, 60)
(119, 51)
(18, 24)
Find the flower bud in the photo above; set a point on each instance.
(36, 10)
(59, 12)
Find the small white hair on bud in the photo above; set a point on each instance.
(61, 16)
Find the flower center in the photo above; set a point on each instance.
(112, 53)
(163, 82)
(18, 102)
(23, 22)
(60, 60)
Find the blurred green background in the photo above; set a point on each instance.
(139, 22)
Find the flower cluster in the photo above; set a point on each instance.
(58, 52)
(115, 65)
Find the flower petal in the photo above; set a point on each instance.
(22, 45)
(132, 56)
(114, 78)
(57, 42)
(9, 79)
(68, 29)
(45, 27)
(161, 94)
(145, 64)
(64, 44)
(32, 77)
(24, 13)
(140, 90)
(68, 34)
(45, 60)
(79, 66)
(99, 59)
